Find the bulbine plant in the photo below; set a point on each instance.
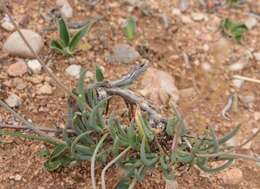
(233, 29)
(67, 44)
(138, 141)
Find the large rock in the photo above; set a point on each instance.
(159, 87)
(15, 45)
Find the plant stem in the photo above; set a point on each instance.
(249, 139)
(47, 69)
(230, 155)
(45, 129)
(93, 159)
(103, 182)
(29, 124)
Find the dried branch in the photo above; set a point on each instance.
(132, 98)
(47, 69)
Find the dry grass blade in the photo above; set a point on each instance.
(246, 79)
(103, 182)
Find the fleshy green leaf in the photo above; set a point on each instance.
(99, 74)
(207, 169)
(55, 45)
(64, 32)
(148, 159)
(79, 35)
(124, 183)
(81, 99)
(129, 29)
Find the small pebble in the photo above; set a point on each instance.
(73, 70)
(34, 66)
(250, 22)
(13, 101)
(197, 16)
(257, 56)
(236, 66)
(237, 83)
(44, 89)
(17, 69)
(233, 176)
(6, 24)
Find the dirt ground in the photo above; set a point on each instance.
(20, 167)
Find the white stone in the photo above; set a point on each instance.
(197, 16)
(13, 101)
(257, 56)
(186, 19)
(34, 66)
(206, 67)
(236, 66)
(237, 83)
(15, 45)
(251, 22)
(6, 24)
(176, 12)
(73, 70)
(65, 8)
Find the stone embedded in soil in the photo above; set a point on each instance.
(237, 83)
(183, 5)
(198, 16)
(221, 50)
(73, 70)
(13, 100)
(124, 53)
(17, 69)
(187, 93)
(250, 22)
(257, 116)
(19, 84)
(171, 184)
(44, 89)
(65, 8)
(248, 100)
(16, 177)
(14, 44)
(159, 87)
(206, 67)
(237, 66)
(232, 176)
(6, 24)
(257, 56)
(34, 66)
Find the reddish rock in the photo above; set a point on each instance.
(159, 87)
(17, 69)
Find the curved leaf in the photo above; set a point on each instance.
(63, 32)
